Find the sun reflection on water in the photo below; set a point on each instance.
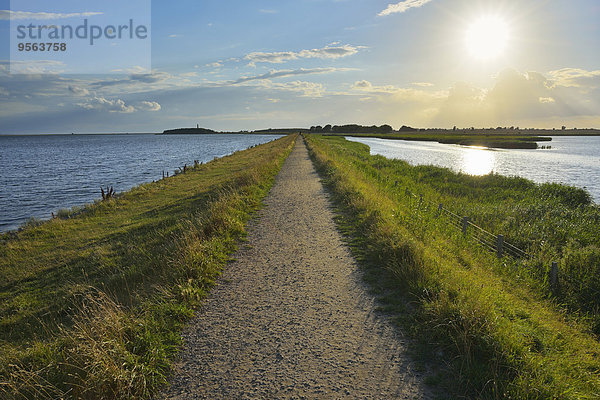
(478, 161)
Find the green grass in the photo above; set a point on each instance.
(492, 140)
(92, 303)
(494, 325)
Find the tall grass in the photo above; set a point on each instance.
(475, 138)
(500, 336)
(551, 222)
(91, 306)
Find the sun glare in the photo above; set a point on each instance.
(487, 37)
(477, 161)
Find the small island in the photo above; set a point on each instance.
(189, 131)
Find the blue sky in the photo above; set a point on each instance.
(232, 65)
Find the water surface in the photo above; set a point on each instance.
(42, 174)
(573, 160)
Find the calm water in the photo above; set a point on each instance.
(42, 174)
(572, 160)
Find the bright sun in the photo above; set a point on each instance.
(487, 37)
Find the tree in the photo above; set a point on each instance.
(406, 128)
(385, 128)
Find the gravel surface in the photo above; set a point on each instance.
(291, 318)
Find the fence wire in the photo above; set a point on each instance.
(485, 239)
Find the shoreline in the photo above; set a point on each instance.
(77, 191)
(536, 178)
(493, 141)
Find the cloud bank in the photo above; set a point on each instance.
(99, 103)
(154, 101)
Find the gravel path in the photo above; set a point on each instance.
(291, 318)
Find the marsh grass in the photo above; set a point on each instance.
(491, 323)
(492, 140)
(92, 303)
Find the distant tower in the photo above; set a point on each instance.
(197, 126)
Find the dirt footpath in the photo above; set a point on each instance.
(291, 317)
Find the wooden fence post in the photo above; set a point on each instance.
(465, 224)
(500, 246)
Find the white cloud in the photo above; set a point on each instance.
(103, 104)
(275, 58)
(328, 52)
(395, 93)
(331, 52)
(214, 65)
(267, 11)
(100, 103)
(18, 15)
(575, 77)
(306, 89)
(148, 106)
(287, 73)
(362, 85)
(403, 6)
(142, 79)
(546, 100)
(423, 84)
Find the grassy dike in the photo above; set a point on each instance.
(92, 304)
(499, 335)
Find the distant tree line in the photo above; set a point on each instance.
(352, 128)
